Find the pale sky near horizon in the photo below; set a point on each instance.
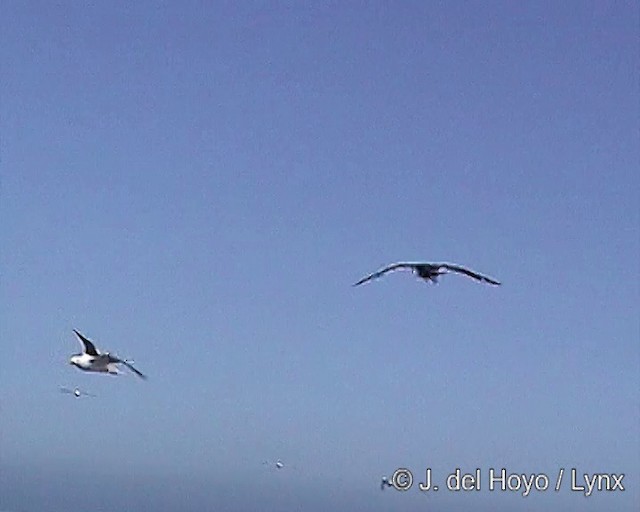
(196, 185)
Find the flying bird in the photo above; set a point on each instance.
(428, 272)
(278, 464)
(92, 360)
(385, 483)
(281, 465)
(77, 392)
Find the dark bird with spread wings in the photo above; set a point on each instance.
(428, 272)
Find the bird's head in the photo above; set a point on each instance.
(74, 359)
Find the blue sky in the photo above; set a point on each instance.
(195, 185)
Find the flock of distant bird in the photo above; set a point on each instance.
(92, 360)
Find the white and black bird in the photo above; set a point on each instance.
(428, 272)
(91, 360)
(77, 392)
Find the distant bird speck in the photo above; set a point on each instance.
(278, 464)
(77, 392)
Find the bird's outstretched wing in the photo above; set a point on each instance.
(382, 271)
(117, 360)
(89, 347)
(470, 273)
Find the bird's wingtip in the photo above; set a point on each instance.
(140, 374)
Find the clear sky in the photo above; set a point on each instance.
(196, 185)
